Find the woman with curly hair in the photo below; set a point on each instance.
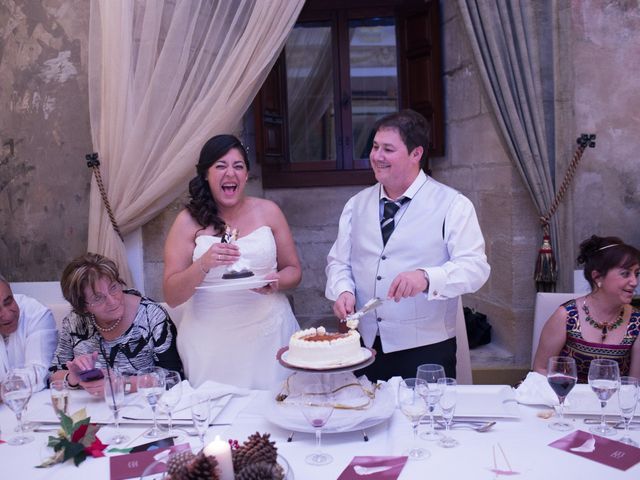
(602, 324)
(231, 328)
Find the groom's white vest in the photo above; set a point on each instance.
(416, 242)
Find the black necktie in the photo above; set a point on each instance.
(387, 224)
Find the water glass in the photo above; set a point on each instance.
(627, 401)
(448, 401)
(430, 373)
(604, 380)
(562, 376)
(413, 406)
(16, 392)
(114, 386)
(171, 396)
(59, 396)
(200, 414)
(151, 385)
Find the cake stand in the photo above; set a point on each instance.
(337, 369)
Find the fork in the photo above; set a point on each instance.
(477, 426)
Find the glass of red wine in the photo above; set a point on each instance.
(317, 407)
(562, 375)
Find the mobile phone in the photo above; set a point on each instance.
(91, 375)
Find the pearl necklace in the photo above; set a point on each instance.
(604, 327)
(108, 329)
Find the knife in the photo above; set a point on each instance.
(367, 307)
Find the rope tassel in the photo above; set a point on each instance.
(546, 272)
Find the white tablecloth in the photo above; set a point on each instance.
(524, 440)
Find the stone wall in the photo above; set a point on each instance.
(44, 133)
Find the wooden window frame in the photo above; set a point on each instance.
(419, 88)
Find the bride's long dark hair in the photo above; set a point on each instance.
(202, 205)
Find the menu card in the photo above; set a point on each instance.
(374, 468)
(132, 465)
(600, 449)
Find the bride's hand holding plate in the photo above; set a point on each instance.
(271, 287)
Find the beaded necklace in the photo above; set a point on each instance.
(108, 329)
(604, 327)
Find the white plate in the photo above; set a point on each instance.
(237, 284)
(182, 417)
(365, 354)
(485, 401)
(289, 416)
(582, 401)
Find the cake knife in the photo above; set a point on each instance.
(355, 317)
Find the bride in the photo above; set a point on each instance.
(230, 335)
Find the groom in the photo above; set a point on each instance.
(412, 241)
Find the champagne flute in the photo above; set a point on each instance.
(114, 386)
(171, 396)
(430, 373)
(562, 376)
(413, 406)
(16, 391)
(448, 399)
(59, 396)
(627, 401)
(317, 407)
(604, 379)
(151, 385)
(200, 414)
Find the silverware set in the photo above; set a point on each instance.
(617, 424)
(477, 425)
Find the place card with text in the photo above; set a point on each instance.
(373, 468)
(132, 465)
(599, 449)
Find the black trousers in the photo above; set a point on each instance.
(404, 363)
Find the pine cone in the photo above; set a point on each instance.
(177, 464)
(257, 448)
(261, 471)
(202, 467)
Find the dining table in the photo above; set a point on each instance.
(516, 445)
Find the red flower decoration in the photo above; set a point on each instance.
(79, 432)
(96, 448)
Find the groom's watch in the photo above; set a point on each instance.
(426, 277)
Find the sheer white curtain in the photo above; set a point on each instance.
(164, 76)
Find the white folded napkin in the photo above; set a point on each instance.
(535, 390)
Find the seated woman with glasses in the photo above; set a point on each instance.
(603, 323)
(109, 328)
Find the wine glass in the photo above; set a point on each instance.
(171, 396)
(448, 399)
(151, 385)
(430, 373)
(317, 407)
(413, 406)
(627, 401)
(31, 373)
(604, 379)
(114, 386)
(562, 376)
(59, 396)
(200, 414)
(16, 391)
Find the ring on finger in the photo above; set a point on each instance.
(219, 257)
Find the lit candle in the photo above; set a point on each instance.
(222, 451)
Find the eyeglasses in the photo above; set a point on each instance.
(99, 299)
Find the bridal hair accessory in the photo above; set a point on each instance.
(76, 439)
(607, 246)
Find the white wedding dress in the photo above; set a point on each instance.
(233, 336)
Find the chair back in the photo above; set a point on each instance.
(47, 293)
(546, 304)
(463, 357)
